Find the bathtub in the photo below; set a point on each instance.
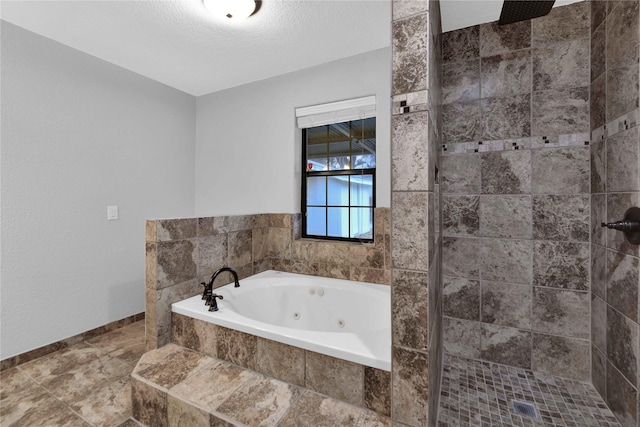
(339, 318)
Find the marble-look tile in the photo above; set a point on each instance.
(621, 398)
(246, 222)
(410, 309)
(506, 260)
(123, 343)
(162, 301)
(461, 122)
(212, 253)
(564, 357)
(597, 161)
(598, 270)
(182, 413)
(409, 136)
(200, 336)
(599, 322)
(496, 38)
(210, 226)
(506, 304)
(562, 23)
(506, 172)
(176, 229)
(371, 275)
(461, 337)
(505, 216)
(373, 419)
(40, 410)
(279, 243)
(598, 105)
(622, 86)
(506, 74)
(60, 362)
(506, 117)
(316, 410)
(622, 31)
(461, 298)
(561, 65)
(561, 312)
(598, 53)
(598, 371)
(173, 368)
(109, 404)
(460, 45)
(336, 378)
(176, 262)
(151, 231)
(562, 170)
(404, 8)
(561, 265)
(460, 174)
(262, 401)
(617, 205)
(460, 258)
(129, 422)
(410, 385)
(623, 281)
(409, 230)
(622, 344)
(560, 111)
(281, 361)
(410, 50)
(237, 347)
(561, 218)
(240, 248)
(506, 345)
(149, 404)
(152, 357)
(623, 161)
(460, 215)
(461, 81)
(598, 14)
(377, 390)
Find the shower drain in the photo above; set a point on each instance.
(524, 409)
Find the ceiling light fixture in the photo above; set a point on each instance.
(231, 10)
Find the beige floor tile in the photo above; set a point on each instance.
(108, 405)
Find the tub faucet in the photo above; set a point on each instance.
(208, 287)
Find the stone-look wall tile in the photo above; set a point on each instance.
(623, 280)
(562, 23)
(560, 170)
(598, 270)
(260, 243)
(598, 102)
(335, 378)
(506, 304)
(506, 74)
(621, 398)
(598, 163)
(561, 65)
(281, 361)
(461, 337)
(506, 260)
(622, 86)
(410, 48)
(209, 226)
(622, 344)
(560, 111)
(212, 253)
(237, 347)
(404, 8)
(461, 122)
(599, 323)
(240, 248)
(506, 172)
(460, 174)
(598, 13)
(561, 312)
(496, 38)
(280, 220)
(410, 309)
(182, 413)
(279, 245)
(410, 387)
(377, 390)
(617, 205)
(177, 326)
(506, 117)
(313, 409)
(461, 81)
(175, 262)
(199, 336)
(176, 229)
(151, 231)
(505, 216)
(460, 215)
(370, 275)
(623, 161)
(598, 52)
(245, 222)
(163, 300)
(409, 230)
(149, 404)
(461, 298)
(461, 257)
(622, 31)
(460, 45)
(561, 218)
(561, 265)
(564, 357)
(598, 371)
(409, 133)
(151, 265)
(506, 345)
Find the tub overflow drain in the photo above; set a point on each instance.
(296, 315)
(341, 323)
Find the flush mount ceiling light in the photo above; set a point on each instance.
(231, 10)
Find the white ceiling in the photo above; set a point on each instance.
(179, 44)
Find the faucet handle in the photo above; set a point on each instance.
(212, 303)
(206, 291)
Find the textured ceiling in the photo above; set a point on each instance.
(179, 44)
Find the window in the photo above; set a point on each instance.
(338, 185)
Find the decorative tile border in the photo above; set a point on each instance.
(410, 102)
(568, 140)
(615, 126)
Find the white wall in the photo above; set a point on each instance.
(248, 147)
(79, 134)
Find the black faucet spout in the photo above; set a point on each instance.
(222, 270)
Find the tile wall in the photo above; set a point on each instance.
(415, 252)
(615, 185)
(515, 185)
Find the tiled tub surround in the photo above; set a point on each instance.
(515, 184)
(181, 253)
(615, 186)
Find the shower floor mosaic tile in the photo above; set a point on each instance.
(477, 393)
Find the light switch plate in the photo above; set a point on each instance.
(112, 213)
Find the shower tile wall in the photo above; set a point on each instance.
(515, 185)
(615, 185)
(415, 253)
